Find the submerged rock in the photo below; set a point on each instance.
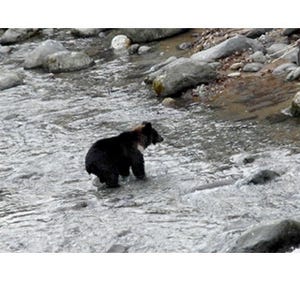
(143, 35)
(66, 61)
(263, 176)
(169, 102)
(253, 67)
(15, 35)
(279, 237)
(9, 80)
(116, 248)
(181, 74)
(120, 42)
(143, 50)
(228, 47)
(39, 55)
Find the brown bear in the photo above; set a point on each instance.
(110, 157)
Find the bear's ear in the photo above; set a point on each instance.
(147, 127)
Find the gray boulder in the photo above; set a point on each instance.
(294, 74)
(290, 31)
(284, 68)
(263, 177)
(284, 51)
(228, 47)
(39, 55)
(143, 35)
(258, 57)
(86, 32)
(66, 61)
(15, 35)
(143, 50)
(253, 67)
(256, 32)
(279, 237)
(179, 75)
(9, 80)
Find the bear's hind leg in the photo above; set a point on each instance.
(112, 180)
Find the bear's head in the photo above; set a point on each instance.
(148, 135)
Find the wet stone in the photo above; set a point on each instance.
(263, 177)
(66, 61)
(280, 237)
(9, 80)
(143, 50)
(118, 249)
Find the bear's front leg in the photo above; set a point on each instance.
(137, 166)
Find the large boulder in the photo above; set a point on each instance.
(66, 61)
(9, 80)
(279, 237)
(39, 55)
(284, 68)
(142, 35)
(256, 32)
(179, 75)
(15, 35)
(86, 32)
(284, 51)
(228, 47)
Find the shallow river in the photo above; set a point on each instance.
(196, 197)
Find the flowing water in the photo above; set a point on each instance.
(196, 197)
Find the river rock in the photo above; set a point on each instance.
(284, 68)
(181, 74)
(294, 109)
(290, 31)
(284, 51)
(263, 177)
(294, 74)
(236, 66)
(169, 102)
(258, 57)
(279, 237)
(143, 35)
(228, 47)
(120, 42)
(117, 248)
(39, 55)
(66, 61)
(253, 67)
(15, 35)
(234, 74)
(86, 32)
(156, 67)
(143, 50)
(9, 80)
(133, 49)
(256, 32)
